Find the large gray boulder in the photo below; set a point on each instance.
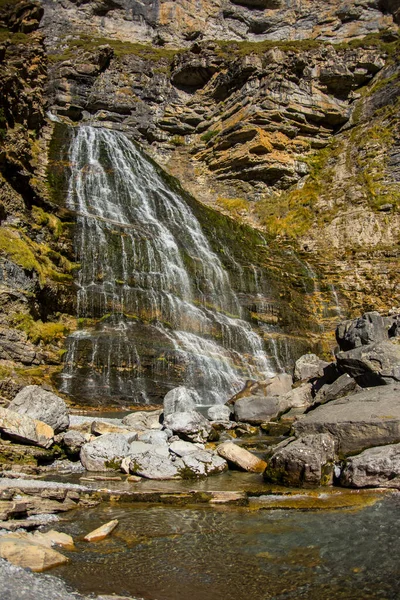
(219, 412)
(368, 329)
(189, 425)
(376, 364)
(24, 429)
(309, 366)
(375, 467)
(42, 405)
(155, 465)
(258, 409)
(298, 397)
(143, 420)
(279, 385)
(105, 452)
(366, 419)
(180, 399)
(154, 436)
(307, 461)
(343, 386)
(202, 463)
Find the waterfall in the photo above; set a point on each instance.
(155, 301)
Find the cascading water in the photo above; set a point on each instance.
(157, 304)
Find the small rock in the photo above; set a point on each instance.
(375, 467)
(343, 386)
(241, 458)
(73, 442)
(258, 409)
(101, 532)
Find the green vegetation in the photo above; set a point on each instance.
(14, 38)
(121, 49)
(42, 218)
(235, 206)
(206, 137)
(227, 49)
(177, 140)
(37, 331)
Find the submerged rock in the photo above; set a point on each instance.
(363, 420)
(306, 461)
(25, 429)
(101, 532)
(42, 405)
(375, 467)
(241, 458)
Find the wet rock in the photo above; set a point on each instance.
(306, 461)
(25, 429)
(105, 452)
(257, 409)
(375, 467)
(179, 399)
(241, 458)
(343, 386)
(143, 420)
(73, 442)
(219, 412)
(101, 532)
(363, 420)
(32, 556)
(309, 366)
(42, 405)
(189, 425)
(375, 364)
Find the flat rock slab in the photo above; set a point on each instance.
(101, 532)
(26, 429)
(364, 420)
(22, 553)
(241, 458)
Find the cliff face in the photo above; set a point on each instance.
(280, 114)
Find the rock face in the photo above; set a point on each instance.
(179, 399)
(25, 429)
(375, 364)
(189, 425)
(106, 452)
(307, 461)
(376, 467)
(366, 419)
(368, 329)
(42, 405)
(241, 458)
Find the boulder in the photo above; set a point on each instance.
(105, 452)
(180, 448)
(219, 412)
(376, 364)
(309, 366)
(189, 425)
(25, 429)
(143, 420)
(306, 461)
(279, 385)
(102, 428)
(298, 397)
(368, 329)
(73, 442)
(24, 554)
(201, 463)
(363, 420)
(343, 386)
(257, 409)
(240, 457)
(180, 399)
(154, 465)
(375, 467)
(153, 437)
(101, 532)
(42, 405)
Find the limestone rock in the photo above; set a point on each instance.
(102, 428)
(32, 556)
(42, 405)
(306, 461)
(153, 465)
(375, 467)
(309, 366)
(180, 399)
(343, 386)
(143, 420)
(257, 409)
(101, 532)
(202, 463)
(241, 458)
(298, 397)
(180, 448)
(375, 364)
(189, 425)
(25, 429)
(363, 420)
(368, 329)
(279, 385)
(219, 412)
(153, 437)
(105, 452)
(73, 442)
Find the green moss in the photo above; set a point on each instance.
(209, 135)
(14, 38)
(228, 49)
(37, 331)
(177, 140)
